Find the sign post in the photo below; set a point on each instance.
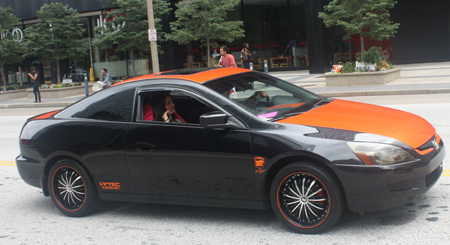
(152, 37)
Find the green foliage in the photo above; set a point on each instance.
(373, 55)
(57, 36)
(348, 67)
(133, 34)
(367, 18)
(205, 21)
(10, 87)
(128, 28)
(11, 51)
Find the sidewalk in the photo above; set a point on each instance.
(427, 78)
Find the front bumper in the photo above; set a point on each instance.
(375, 188)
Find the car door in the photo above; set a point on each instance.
(95, 131)
(187, 160)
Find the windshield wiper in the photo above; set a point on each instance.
(323, 101)
(285, 116)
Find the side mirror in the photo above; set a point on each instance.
(214, 119)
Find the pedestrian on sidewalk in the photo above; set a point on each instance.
(34, 77)
(105, 79)
(227, 60)
(245, 56)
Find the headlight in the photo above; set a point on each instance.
(379, 154)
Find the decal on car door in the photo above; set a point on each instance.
(259, 164)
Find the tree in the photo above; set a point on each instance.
(57, 36)
(367, 18)
(128, 28)
(205, 21)
(11, 48)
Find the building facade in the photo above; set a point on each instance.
(286, 33)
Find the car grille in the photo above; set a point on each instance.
(400, 186)
(432, 178)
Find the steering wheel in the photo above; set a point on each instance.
(258, 99)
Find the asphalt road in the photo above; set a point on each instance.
(27, 217)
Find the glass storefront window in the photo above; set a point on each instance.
(298, 31)
(118, 63)
(274, 29)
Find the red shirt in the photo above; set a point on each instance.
(228, 61)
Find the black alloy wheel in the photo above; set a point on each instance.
(307, 198)
(72, 189)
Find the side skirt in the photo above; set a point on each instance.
(206, 202)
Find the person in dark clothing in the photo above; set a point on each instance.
(34, 78)
(246, 56)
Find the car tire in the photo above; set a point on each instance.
(307, 197)
(72, 189)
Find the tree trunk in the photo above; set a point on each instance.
(362, 47)
(3, 74)
(132, 62)
(58, 77)
(43, 70)
(208, 51)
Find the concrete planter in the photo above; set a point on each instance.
(362, 78)
(13, 94)
(55, 93)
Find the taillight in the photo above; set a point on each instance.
(24, 137)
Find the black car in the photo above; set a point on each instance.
(229, 137)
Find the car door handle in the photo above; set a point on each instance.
(141, 146)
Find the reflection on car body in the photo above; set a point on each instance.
(250, 141)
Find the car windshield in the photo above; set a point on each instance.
(267, 97)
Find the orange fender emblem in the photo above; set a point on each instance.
(259, 164)
(110, 185)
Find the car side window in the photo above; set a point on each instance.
(116, 107)
(187, 108)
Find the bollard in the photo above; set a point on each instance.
(86, 86)
(251, 66)
(20, 74)
(266, 68)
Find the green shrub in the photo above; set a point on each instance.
(348, 67)
(373, 55)
(10, 87)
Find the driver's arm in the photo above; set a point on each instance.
(252, 99)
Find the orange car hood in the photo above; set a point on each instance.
(403, 126)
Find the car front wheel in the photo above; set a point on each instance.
(307, 198)
(72, 189)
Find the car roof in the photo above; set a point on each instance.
(198, 75)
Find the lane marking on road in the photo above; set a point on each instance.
(7, 163)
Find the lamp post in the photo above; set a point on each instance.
(152, 31)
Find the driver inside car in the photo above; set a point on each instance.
(162, 108)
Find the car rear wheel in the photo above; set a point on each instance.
(72, 188)
(307, 198)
